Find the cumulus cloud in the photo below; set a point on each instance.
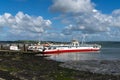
(71, 6)
(116, 12)
(23, 23)
(116, 18)
(82, 16)
(92, 22)
(54, 36)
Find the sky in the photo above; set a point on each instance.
(60, 20)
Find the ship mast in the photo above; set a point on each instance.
(83, 39)
(39, 38)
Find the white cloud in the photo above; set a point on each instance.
(90, 23)
(72, 6)
(116, 12)
(54, 36)
(22, 24)
(84, 17)
(116, 18)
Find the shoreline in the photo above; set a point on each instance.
(109, 67)
(30, 67)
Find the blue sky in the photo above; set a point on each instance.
(107, 6)
(58, 20)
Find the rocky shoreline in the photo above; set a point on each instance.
(111, 67)
(31, 67)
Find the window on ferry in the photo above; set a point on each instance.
(54, 47)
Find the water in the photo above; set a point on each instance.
(103, 54)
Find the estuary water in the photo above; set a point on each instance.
(106, 53)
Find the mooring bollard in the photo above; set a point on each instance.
(24, 46)
(1, 47)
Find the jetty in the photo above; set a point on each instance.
(5, 49)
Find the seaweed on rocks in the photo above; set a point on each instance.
(30, 67)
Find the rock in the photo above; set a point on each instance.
(2, 79)
(95, 66)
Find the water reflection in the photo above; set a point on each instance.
(63, 57)
(103, 54)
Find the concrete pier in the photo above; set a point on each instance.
(5, 49)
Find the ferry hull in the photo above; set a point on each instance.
(69, 50)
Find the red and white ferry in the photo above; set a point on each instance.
(73, 47)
